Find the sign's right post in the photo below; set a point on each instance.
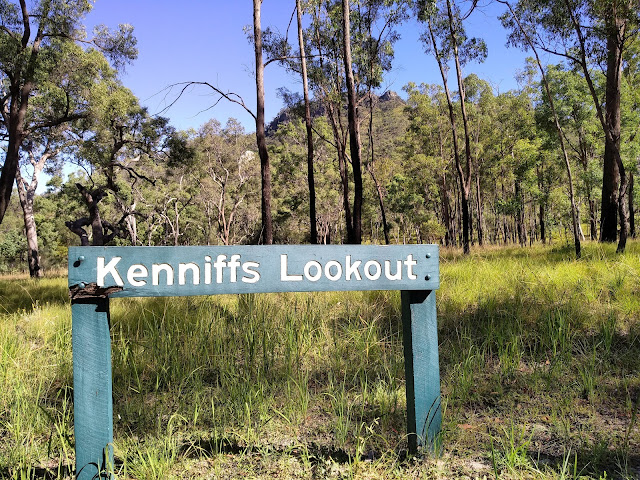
(422, 368)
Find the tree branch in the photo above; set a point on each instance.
(25, 21)
(56, 122)
(229, 96)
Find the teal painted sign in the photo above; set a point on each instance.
(171, 271)
(97, 273)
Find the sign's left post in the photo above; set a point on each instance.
(92, 387)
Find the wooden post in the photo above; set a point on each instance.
(92, 388)
(422, 370)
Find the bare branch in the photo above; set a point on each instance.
(230, 96)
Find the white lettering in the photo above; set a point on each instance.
(284, 275)
(156, 268)
(109, 268)
(207, 270)
(410, 262)
(233, 265)
(327, 270)
(182, 273)
(247, 268)
(137, 271)
(352, 269)
(219, 264)
(367, 270)
(307, 271)
(387, 270)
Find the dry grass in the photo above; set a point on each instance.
(540, 367)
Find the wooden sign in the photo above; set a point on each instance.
(97, 273)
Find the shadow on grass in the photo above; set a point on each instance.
(313, 452)
(562, 373)
(22, 295)
(37, 471)
(594, 462)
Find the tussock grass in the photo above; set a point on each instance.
(540, 368)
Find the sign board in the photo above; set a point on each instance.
(97, 273)
(178, 271)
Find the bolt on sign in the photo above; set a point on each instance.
(98, 273)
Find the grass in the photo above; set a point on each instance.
(539, 359)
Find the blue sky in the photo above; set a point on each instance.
(203, 40)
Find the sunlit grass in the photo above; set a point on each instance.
(540, 362)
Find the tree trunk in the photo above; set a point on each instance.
(313, 226)
(176, 229)
(464, 191)
(464, 200)
(18, 105)
(519, 218)
(632, 212)
(466, 178)
(615, 28)
(449, 237)
(383, 213)
(623, 207)
(479, 207)
(97, 232)
(26, 195)
(541, 214)
(132, 225)
(342, 169)
(10, 166)
(580, 232)
(609, 204)
(335, 120)
(593, 227)
(267, 227)
(91, 200)
(370, 169)
(354, 127)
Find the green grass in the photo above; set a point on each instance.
(539, 358)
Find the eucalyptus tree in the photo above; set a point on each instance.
(38, 41)
(118, 146)
(575, 220)
(351, 44)
(593, 36)
(447, 40)
(480, 105)
(327, 80)
(427, 136)
(375, 36)
(265, 170)
(42, 151)
(313, 219)
(355, 147)
(630, 122)
(579, 127)
(228, 179)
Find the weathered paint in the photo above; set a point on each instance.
(254, 269)
(422, 368)
(92, 386)
(96, 273)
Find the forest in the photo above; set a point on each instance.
(454, 163)
(528, 191)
